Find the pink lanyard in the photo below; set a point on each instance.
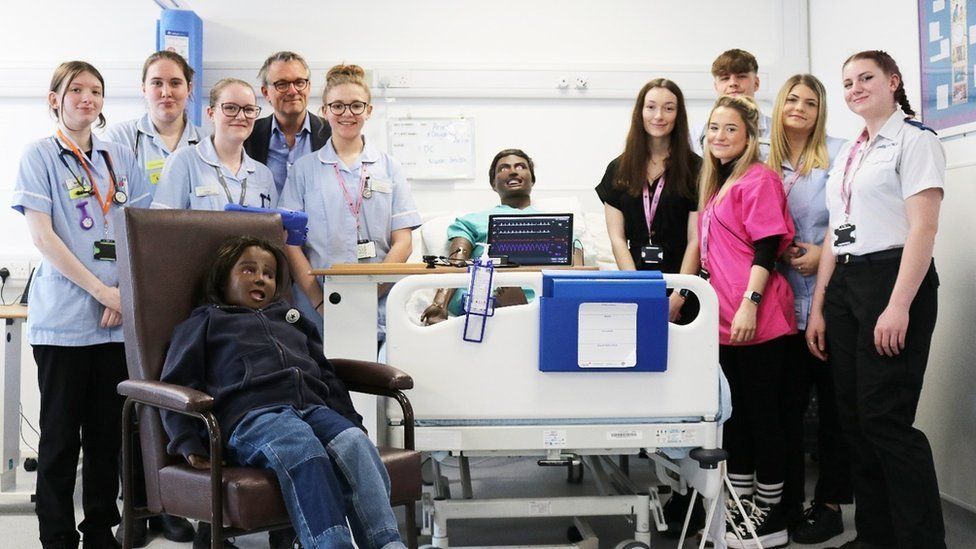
(650, 207)
(845, 183)
(788, 184)
(354, 205)
(706, 222)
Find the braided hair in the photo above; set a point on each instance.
(888, 66)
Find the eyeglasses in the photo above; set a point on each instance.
(282, 85)
(356, 107)
(232, 109)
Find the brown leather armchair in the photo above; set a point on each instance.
(163, 255)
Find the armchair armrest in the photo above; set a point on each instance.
(166, 395)
(363, 374)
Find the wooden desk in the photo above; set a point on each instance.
(14, 317)
(350, 310)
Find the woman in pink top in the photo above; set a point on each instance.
(744, 226)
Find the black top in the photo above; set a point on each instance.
(670, 226)
(259, 141)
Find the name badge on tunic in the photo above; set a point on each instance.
(155, 170)
(365, 249)
(381, 186)
(206, 190)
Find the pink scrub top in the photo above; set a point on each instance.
(753, 208)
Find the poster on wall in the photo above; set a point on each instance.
(947, 47)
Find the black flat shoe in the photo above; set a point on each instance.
(282, 539)
(100, 539)
(176, 529)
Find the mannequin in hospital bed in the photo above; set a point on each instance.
(512, 176)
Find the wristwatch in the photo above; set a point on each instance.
(754, 297)
(684, 292)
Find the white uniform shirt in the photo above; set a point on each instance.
(901, 161)
(139, 136)
(190, 181)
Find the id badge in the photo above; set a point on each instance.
(845, 235)
(381, 185)
(652, 255)
(76, 189)
(105, 250)
(206, 190)
(365, 249)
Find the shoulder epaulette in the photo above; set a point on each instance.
(919, 125)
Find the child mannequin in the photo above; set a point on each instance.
(279, 400)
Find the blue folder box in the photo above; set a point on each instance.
(563, 292)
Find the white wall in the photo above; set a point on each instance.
(947, 411)
(572, 135)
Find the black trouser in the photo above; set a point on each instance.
(806, 372)
(895, 487)
(80, 409)
(754, 434)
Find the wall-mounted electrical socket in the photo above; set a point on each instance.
(19, 269)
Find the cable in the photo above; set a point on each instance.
(23, 419)
(3, 284)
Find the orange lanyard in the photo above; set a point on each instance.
(107, 202)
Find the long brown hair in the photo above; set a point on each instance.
(888, 66)
(708, 183)
(814, 153)
(631, 173)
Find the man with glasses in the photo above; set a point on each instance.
(291, 132)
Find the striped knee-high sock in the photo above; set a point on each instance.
(743, 484)
(769, 493)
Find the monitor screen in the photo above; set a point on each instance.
(532, 239)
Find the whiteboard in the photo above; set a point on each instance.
(433, 148)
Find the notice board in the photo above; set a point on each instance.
(433, 148)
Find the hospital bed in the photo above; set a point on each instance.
(491, 399)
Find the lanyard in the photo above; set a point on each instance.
(107, 202)
(223, 183)
(706, 222)
(789, 183)
(650, 206)
(354, 204)
(845, 183)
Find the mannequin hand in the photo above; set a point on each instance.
(433, 314)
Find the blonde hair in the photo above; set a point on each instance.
(346, 74)
(222, 84)
(708, 181)
(814, 153)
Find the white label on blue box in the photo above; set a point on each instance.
(607, 335)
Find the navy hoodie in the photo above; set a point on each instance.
(247, 359)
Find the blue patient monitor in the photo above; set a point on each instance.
(603, 321)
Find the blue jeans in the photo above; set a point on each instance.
(328, 470)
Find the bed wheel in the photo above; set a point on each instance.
(574, 473)
(631, 544)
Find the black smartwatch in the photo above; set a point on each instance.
(754, 297)
(684, 292)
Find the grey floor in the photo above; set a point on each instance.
(494, 477)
